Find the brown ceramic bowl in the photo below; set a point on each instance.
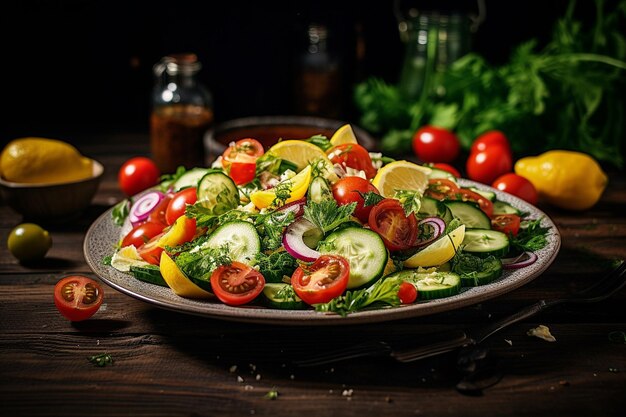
(268, 129)
(52, 202)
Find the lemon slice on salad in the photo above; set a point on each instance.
(344, 134)
(440, 251)
(295, 187)
(303, 153)
(178, 282)
(401, 175)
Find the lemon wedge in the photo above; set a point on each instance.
(344, 134)
(296, 186)
(178, 282)
(303, 153)
(439, 252)
(401, 175)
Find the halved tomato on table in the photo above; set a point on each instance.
(77, 297)
(321, 281)
(389, 220)
(237, 283)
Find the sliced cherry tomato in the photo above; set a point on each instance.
(322, 281)
(468, 195)
(248, 147)
(237, 283)
(178, 204)
(350, 190)
(407, 293)
(78, 297)
(446, 167)
(506, 223)
(354, 156)
(397, 230)
(158, 214)
(137, 174)
(242, 172)
(441, 188)
(142, 233)
(488, 139)
(518, 186)
(151, 251)
(435, 144)
(485, 166)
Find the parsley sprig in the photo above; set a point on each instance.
(384, 291)
(327, 214)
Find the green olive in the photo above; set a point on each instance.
(29, 242)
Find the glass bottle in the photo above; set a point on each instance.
(182, 112)
(317, 90)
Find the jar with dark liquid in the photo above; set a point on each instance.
(182, 112)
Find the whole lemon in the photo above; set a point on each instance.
(46, 161)
(566, 179)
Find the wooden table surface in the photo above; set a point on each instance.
(171, 364)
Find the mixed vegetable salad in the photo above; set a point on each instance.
(319, 224)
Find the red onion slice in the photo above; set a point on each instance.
(525, 259)
(142, 208)
(296, 207)
(437, 225)
(295, 236)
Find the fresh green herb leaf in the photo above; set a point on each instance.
(531, 236)
(371, 198)
(206, 217)
(276, 265)
(320, 141)
(168, 180)
(201, 263)
(120, 211)
(411, 201)
(327, 214)
(268, 162)
(283, 193)
(107, 260)
(101, 360)
(272, 394)
(384, 291)
(271, 227)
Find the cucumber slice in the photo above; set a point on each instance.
(490, 269)
(430, 285)
(282, 296)
(434, 208)
(364, 250)
(469, 214)
(217, 192)
(240, 236)
(489, 195)
(485, 242)
(190, 178)
(440, 173)
(150, 274)
(319, 190)
(500, 207)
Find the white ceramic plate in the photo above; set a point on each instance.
(103, 235)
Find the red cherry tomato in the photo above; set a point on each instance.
(349, 190)
(137, 174)
(142, 233)
(239, 159)
(322, 281)
(354, 156)
(435, 144)
(485, 166)
(237, 283)
(397, 230)
(151, 251)
(441, 188)
(178, 204)
(518, 186)
(468, 195)
(488, 139)
(447, 167)
(158, 213)
(78, 297)
(183, 230)
(407, 293)
(506, 223)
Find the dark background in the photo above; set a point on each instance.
(80, 65)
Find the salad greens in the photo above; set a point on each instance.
(570, 94)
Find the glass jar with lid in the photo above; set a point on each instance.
(182, 112)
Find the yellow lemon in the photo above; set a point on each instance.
(439, 252)
(178, 282)
(303, 153)
(344, 134)
(39, 160)
(401, 175)
(295, 187)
